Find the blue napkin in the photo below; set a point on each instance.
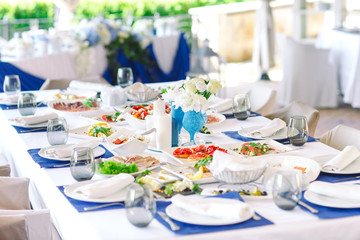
(329, 213)
(236, 135)
(186, 228)
(231, 115)
(50, 163)
(79, 205)
(9, 107)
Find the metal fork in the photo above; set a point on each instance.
(102, 206)
(32, 130)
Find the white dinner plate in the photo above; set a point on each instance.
(182, 215)
(327, 201)
(219, 116)
(279, 135)
(353, 168)
(180, 172)
(159, 157)
(116, 197)
(96, 117)
(81, 132)
(37, 125)
(98, 151)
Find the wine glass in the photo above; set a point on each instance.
(57, 131)
(192, 122)
(125, 77)
(241, 106)
(140, 204)
(297, 131)
(82, 163)
(27, 104)
(12, 85)
(287, 189)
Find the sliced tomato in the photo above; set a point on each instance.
(117, 141)
(197, 156)
(200, 148)
(182, 151)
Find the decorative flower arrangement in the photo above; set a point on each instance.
(192, 94)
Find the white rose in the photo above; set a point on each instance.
(213, 86)
(201, 86)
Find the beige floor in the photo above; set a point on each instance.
(243, 74)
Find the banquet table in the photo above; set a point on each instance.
(113, 224)
(345, 54)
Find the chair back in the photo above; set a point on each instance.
(341, 136)
(64, 83)
(262, 99)
(13, 227)
(14, 193)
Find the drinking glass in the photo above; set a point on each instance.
(12, 85)
(287, 189)
(140, 204)
(125, 77)
(82, 163)
(192, 122)
(298, 130)
(241, 106)
(57, 131)
(27, 104)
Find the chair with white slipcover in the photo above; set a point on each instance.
(262, 99)
(64, 83)
(341, 136)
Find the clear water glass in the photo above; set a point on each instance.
(286, 189)
(82, 163)
(125, 77)
(298, 131)
(241, 106)
(27, 104)
(57, 131)
(140, 204)
(11, 85)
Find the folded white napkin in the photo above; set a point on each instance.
(107, 187)
(275, 125)
(212, 207)
(223, 105)
(9, 99)
(28, 120)
(344, 191)
(236, 162)
(66, 150)
(343, 159)
(140, 92)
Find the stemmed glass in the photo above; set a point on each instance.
(192, 122)
(57, 131)
(241, 106)
(125, 77)
(287, 189)
(140, 204)
(298, 130)
(11, 85)
(82, 163)
(27, 104)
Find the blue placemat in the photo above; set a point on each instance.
(327, 177)
(29, 130)
(9, 107)
(49, 163)
(79, 205)
(236, 135)
(231, 115)
(329, 213)
(186, 228)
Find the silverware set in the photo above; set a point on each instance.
(32, 130)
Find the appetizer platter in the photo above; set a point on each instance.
(110, 117)
(74, 106)
(133, 164)
(97, 130)
(74, 94)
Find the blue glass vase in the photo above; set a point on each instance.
(178, 115)
(192, 122)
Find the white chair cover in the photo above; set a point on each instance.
(14, 193)
(13, 227)
(341, 136)
(307, 74)
(4, 166)
(38, 222)
(262, 99)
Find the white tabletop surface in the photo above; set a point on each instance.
(112, 224)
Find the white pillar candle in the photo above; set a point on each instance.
(159, 107)
(163, 131)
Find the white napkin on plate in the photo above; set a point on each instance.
(222, 160)
(66, 150)
(10, 99)
(212, 207)
(343, 159)
(140, 92)
(275, 125)
(28, 120)
(349, 192)
(107, 187)
(223, 105)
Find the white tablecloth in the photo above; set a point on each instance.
(345, 54)
(112, 224)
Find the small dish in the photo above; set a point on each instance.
(135, 122)
(81, 132)
(76, 110)
(215, 119)
(131, 146)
